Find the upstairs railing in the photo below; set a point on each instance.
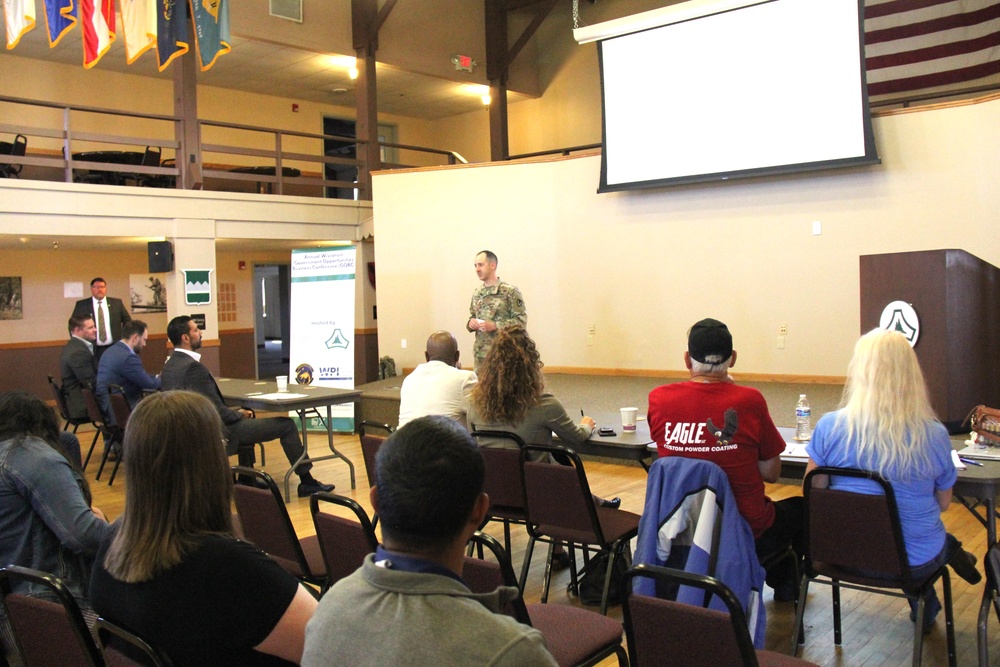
(67, 143)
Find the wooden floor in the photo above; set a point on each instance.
(877, 629)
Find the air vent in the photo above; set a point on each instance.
(287, 9)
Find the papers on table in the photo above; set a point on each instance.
(795, 451)
(957, 461)
(280, 396)
(987, 453)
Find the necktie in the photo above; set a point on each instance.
(102, 327)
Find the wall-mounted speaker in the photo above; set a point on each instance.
(161, 256)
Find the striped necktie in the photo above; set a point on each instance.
(102, 327)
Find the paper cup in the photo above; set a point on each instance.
(628, 419)
(282, 381)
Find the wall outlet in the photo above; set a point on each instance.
(590, 340)
(592, 330)
(402, 344)
(783, 329)
(781, 342)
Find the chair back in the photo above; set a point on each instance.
(485, 576)
(503, 470)
(121, 648)
(119, 405)
(992, 566)
(343, 542)
(94, 413)
(848, 531)
(557, 498)
(370, 443)
(60, 399)
(655, 627)
(46, 632)
(18, 148)
(151, 157)
(266, 523)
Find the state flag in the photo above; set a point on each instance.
(211, 30)
(20, 17)
(59, 18)
(171, 31)
(138, 26)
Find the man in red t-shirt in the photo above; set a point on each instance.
(710, 417)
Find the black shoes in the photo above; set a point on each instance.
(964, 565)
(613, 503)
(560, 561)
(306, 489)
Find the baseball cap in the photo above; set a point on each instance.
(710, 342)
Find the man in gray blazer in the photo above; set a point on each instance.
(184, 370)
(77, 366)
(109, 315)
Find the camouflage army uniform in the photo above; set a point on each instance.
(501, 304)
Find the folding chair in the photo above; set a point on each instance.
(122, 411)
(46, 632)
(561, 509)
(691, 635)
(370, 444)
(343, 542)
(991, 594)
(574, 636)
(503, 480)
(847, 533)
(60, 398)
(18, 149)
(121, 648)
(265, 523)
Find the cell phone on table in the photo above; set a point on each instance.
(605, 431)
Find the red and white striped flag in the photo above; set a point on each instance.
(918, 44)
(97, 18)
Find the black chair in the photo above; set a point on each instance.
(266, 523)
(343, 542)
(121, 648)
(60, 398)
(18, 148)
(370, 443)
(122, 411)
(560, 509)
(110, 432)
(991, 594)
(847, 533)
(693, 636)
(503, 481)
(150, 158)
(47, 632)
(574, 636)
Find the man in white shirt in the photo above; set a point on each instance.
(438, 387)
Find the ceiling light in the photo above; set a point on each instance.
(353, 73)
(486, 99)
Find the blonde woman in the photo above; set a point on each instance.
(887, 425)
(174, 573)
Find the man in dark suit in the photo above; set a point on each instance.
(184, 370)
(77, 366)
(121, 365)
(109, 315)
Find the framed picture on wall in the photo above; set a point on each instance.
(10, 298)
(147, 292)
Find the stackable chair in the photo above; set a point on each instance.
(691, 635)
(343, 542)
(847, 533)
(18, 148)
(561, 509)
(111, 433)
(574, 636)
(265, 522)
(47, 633)
(991, 594)
(121, 648)
(122, 411)
(60, 399)
(370, 443)
(503, 481)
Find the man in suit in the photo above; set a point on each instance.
(109, 315)
(121, 365)
(77, 366)
(184, 370)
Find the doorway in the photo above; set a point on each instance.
(272, 318)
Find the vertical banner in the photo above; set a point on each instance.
(322, 323)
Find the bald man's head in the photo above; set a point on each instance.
(442, 346)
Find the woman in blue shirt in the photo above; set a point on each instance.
(887, 425)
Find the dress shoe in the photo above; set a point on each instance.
(560, 561)
(785, 592)
(611, 503)
(306, 489)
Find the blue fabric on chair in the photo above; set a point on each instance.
(691, 522)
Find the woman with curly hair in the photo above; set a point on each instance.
(887, 425)
(511, 396)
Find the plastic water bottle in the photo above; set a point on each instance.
(803, 418)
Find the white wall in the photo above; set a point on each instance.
(643, 266)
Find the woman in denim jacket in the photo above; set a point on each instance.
(46, 521)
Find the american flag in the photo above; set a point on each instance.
(915, 45)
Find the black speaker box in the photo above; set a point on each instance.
(161, 256)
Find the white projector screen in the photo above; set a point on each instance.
(769, 88)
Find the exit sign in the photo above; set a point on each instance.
(465, 63)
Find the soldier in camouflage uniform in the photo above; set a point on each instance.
(494, 306)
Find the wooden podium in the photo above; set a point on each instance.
(956, 297)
